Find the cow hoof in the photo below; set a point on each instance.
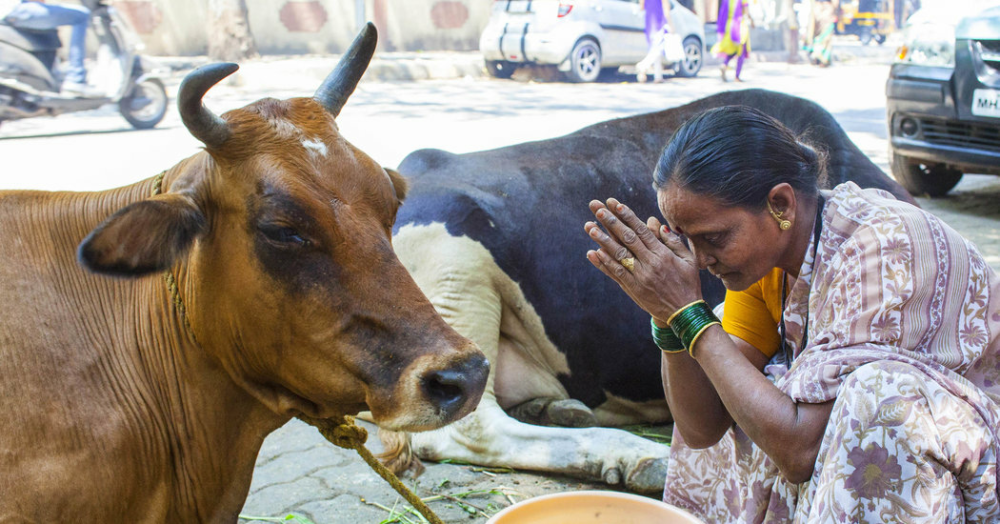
(570, 413)
(648, 477)
(612, 477)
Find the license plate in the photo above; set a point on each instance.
(986, 102)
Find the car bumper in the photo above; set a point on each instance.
(520, 44)
(925, 123)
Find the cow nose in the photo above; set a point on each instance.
(451, 389)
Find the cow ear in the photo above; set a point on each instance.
(143, 237)
(399, 183)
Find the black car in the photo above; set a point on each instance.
(943, 101)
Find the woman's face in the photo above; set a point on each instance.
(736, 245)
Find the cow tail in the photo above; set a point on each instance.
(398, 454)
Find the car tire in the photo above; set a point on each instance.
(879, 39)
(694, 56)
(500, 68)
(934, 180)
(585, 61)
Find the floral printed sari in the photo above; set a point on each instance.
(903, 319)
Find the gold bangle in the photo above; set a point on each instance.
(695, 339)
(671, 319)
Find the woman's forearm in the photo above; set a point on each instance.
(789, 433)
(695, 406)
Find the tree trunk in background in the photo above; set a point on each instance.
(229, 37)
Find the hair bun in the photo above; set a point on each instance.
(808, 152)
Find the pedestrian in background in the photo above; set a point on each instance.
(658, 25)
(733, 28)
(819, 38)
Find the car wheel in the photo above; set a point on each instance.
(500, 68)
(585, 61)
(921, 179)
(879, 39)
(692, 58)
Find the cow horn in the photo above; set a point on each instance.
(203, 124)
(339, 85)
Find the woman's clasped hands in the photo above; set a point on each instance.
(650, 263)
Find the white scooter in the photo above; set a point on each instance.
(30, 74)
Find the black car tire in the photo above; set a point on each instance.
(500, 68)
(934, 180)
(879, 39)
(693, 58)
(585, 61)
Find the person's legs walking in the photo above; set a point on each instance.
(725, 66)
(40, 17)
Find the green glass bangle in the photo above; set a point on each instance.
(665, 339)
(689, 323)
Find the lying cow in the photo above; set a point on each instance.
(496, 241)
(256, 281)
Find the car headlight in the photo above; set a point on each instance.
(928, 45)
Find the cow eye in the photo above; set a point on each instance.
(283, 235)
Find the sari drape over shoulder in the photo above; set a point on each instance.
(903, 320)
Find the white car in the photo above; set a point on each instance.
(580, 37)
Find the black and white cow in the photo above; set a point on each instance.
(495, 239)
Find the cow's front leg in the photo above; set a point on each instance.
(489, 437)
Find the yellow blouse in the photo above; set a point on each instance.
(753, 314)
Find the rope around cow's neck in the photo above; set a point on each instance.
(346, 434)
(341, 431)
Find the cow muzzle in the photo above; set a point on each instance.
(455, 391)
(436, 393)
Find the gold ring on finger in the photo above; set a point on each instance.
(628, 263)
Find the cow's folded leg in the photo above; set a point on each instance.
(489, 437)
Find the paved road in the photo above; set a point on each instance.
(297, 471)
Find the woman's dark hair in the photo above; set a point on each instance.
(736, 154)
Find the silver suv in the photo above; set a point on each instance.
(581, 37)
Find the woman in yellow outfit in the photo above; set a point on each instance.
(733, 28)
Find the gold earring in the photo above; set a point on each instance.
(783, 224)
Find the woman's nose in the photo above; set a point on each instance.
(703, 259)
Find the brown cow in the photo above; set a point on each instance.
(256, 282)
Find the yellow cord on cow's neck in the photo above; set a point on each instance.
(341, 431)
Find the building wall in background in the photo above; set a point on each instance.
(177, 27)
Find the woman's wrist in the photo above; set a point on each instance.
(690, 322)
(662, 316)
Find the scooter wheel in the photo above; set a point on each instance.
(145, 105)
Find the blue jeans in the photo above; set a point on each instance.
(36, 16)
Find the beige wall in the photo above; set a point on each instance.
(177, 27)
